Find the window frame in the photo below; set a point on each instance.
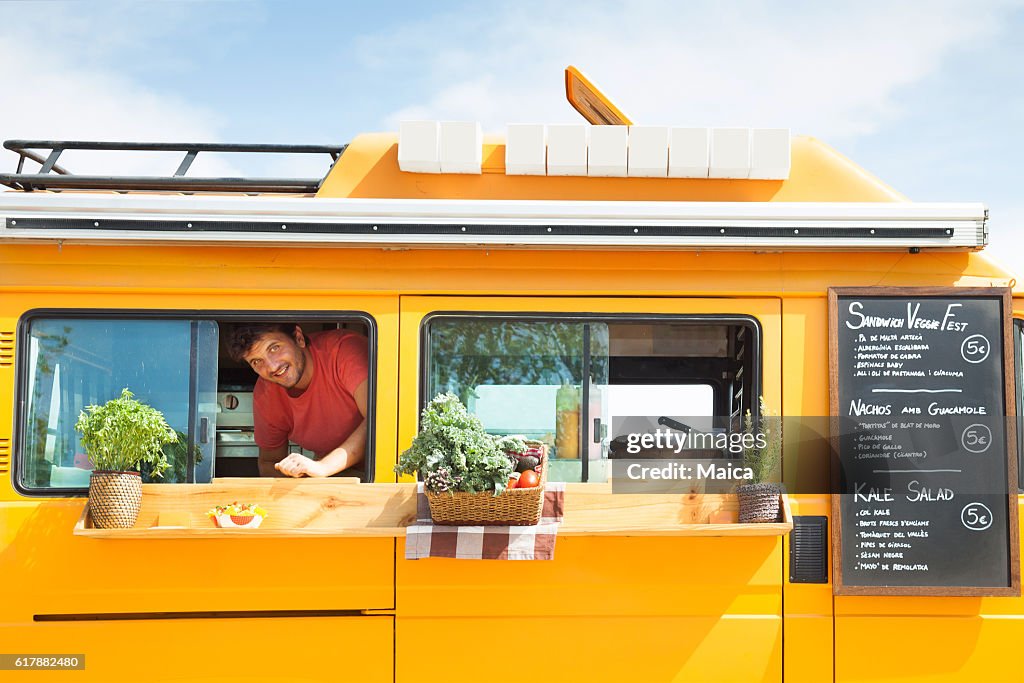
(1017, 338)
(696, 319)
(217, 315)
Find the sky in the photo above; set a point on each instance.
(925, 95)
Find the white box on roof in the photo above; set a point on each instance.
(730, 153)
(608, 151)
(461, 147)
(648, 152)
(526, 149)
(769, 154)
(419, 146)
(567, 149)
(689, 152)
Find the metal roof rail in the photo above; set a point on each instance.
(53, 177)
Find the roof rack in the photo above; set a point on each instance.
(54, 177)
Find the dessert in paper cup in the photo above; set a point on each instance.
(238, 515)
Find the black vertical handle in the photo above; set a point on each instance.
(204, 430)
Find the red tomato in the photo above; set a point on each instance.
(512, 481)
(528, 479)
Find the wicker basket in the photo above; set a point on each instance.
(514, 507)
(759, 503)
(114, 499)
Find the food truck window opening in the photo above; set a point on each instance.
(1018, 369)
(563, 378)
(175, 361)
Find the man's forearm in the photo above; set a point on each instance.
(349, 453)
(268, 457)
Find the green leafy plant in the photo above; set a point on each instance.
(762, 453)
(123, 434)
(177, 454)
(454, 453)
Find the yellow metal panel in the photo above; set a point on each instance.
(807, 610)
(910, 649)
(283, 275)
(818, 173)
(603, 576)
(804, 274)
(564, 649)
(281, 650)
(808, 647)
(808, 607)
(805, 395)
(58, 573)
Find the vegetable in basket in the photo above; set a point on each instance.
(453, 452)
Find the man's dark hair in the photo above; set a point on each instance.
(244, 335)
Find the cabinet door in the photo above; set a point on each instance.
(216, 649)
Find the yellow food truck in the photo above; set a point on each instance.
(554, 278)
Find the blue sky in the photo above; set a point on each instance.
(926, 95)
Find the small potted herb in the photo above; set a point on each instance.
(119, 437)
(759, 498)
(469, 476)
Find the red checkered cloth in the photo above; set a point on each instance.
(535, 542)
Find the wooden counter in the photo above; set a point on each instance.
(343, 507)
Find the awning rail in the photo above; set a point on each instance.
(427, 223)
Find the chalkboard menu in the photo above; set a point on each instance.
(923, 433)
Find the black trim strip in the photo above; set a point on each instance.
(510, 229)
(239, 614)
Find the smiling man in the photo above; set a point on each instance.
(311, 391)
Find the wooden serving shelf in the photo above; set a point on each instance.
(343, 507)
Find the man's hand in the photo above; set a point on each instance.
(297, 465)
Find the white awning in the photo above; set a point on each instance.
(431, 223)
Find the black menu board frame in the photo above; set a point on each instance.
(963, 295)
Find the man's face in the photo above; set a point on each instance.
(278, 358)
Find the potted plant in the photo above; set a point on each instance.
(470, 476)
(120, 436)
(759, 498)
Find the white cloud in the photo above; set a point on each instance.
(55, 85)
(832, 70)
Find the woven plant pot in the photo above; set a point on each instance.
(759, 503)
(114, 499)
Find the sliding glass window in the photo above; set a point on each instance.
(564, 379)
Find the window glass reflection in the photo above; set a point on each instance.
(75, 363)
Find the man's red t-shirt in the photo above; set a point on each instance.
(325, 414)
